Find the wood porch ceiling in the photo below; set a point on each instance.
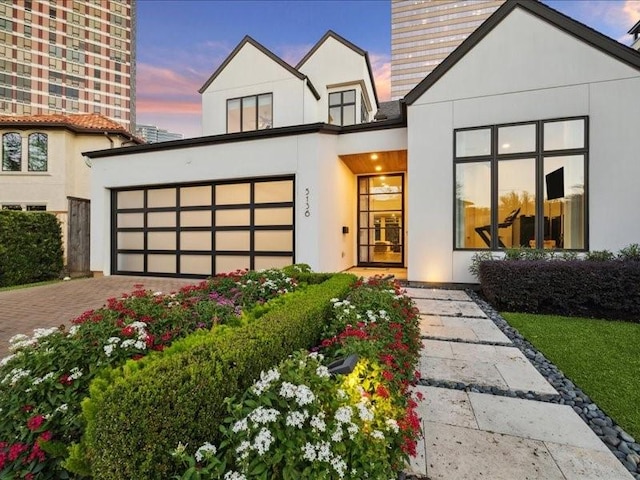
(363, 163)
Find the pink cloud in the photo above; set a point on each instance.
(381, 66)
(632, 9)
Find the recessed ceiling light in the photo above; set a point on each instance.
(382, 177)
(378, 168)
(374, 156)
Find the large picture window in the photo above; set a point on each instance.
(254, 112)
(521, 185)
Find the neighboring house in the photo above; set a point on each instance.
(43, 167)
(524, 136)
(635, 31)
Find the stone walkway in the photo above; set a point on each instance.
(51, 305)
(471, 435)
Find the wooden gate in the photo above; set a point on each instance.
(78, 242)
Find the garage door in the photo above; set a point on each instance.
(198, 230)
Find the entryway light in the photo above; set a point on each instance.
(378, 168)
(374, 156)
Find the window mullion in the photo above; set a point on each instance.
(494, 189)
(539, 225)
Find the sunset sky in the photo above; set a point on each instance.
(181, 43)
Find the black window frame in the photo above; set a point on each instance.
(6, 135)
(341, 105)
(30, 163)
(242, 100)
(538, 155)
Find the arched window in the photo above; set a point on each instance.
(38, 147)
(11, 152)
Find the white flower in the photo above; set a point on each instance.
(157, 294)
(318, 423)
(322, 372)
(324, 452)
(393, 425)
(287, 390)
(340, 466)
(231, 475)
(337, 435)
(75, 373)
(352, 429)
(316, 356)
(266, 378)
(16, 374)
(342, 395)
(343, 414)
(296, 419)
(240, 426)
(113, 339)
(263, 415)
(7, 359)
(108, 349)
(44, 332)
(243, 449)
(204, 451)
(73, 330)
(304, 395)
(38, 381)
(62, 408)
(140, 345)
(309, 452)
(128, 343)
(377, 434)
(364, 413)
(263, 441)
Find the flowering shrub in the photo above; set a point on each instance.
(47, 375)
(136, 414)
(298, 421)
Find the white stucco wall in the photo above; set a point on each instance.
(311, 158)
(334, 66)
(251, 72)
(523, 70)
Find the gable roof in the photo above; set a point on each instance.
(268, 53)
(635, 30)
(80, 123)
(348, 44)
(567, 24)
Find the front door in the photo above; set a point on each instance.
(381, 220)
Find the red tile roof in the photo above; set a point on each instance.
(81, 122)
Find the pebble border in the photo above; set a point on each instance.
(621, 444)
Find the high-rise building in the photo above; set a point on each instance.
(425, 32)
(68, 56)
(153, 134)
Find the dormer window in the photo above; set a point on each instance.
(254, 112)
(342, 107)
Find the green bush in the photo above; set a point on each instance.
(136, 414)
(30, 247)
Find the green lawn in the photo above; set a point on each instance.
(28, 285)
(601, 357)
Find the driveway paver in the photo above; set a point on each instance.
(24, 309)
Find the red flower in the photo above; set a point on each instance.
(382, 392)
(387, 375)
(27, 408)
(65, 380)
(29, 476)
(128, 331)
(16, 450)
(45, 436)
(34, 423)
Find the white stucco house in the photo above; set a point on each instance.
(43, 169)
(526, 135)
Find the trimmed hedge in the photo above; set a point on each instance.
(137, 414)
(603, 289)
(30, 247)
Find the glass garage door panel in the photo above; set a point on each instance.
(201, 230)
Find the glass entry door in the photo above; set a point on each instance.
(381, 220)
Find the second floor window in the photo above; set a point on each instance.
(342, 108)
(11, 152)
(37, 153)
(254, 112)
